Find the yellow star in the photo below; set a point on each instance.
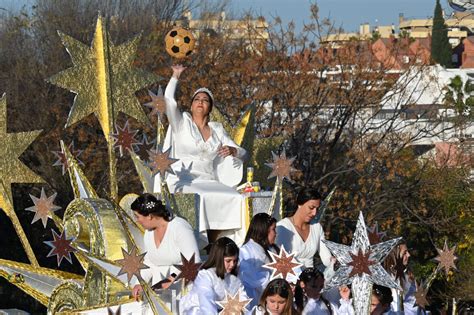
(103, 78)
(12, 170)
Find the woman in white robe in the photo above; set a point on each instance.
(254, 254)
(211, 161)
(298, 234)
(165, 239)
(217, 277)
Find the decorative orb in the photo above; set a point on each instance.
(462, 5)
(179, 42)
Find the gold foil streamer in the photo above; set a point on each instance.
(245, 126)
(144, 173)
(12, 170)
(65, 298)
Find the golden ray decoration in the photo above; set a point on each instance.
(12, 170)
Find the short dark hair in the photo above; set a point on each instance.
(383, 294)
(282, 288)
(258, 231)
(223, 247)
(306, 277)
(147, 204)
(307, 194)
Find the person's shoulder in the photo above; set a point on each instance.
(284, 222)
(217, 126)
(180, 222)
(187, 116)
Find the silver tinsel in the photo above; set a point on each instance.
(361, 283)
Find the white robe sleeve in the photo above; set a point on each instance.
(324, 252)
(284, 236)
(175, 117)
(253, 276)
(185, 241)
(206, 295)
(345, 307)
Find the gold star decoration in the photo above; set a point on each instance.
(282, 264)
(374, 235)
(421, 296)
(131, 264)
(446, 257)
(60, 247)
(160, 162)
(281, 166)
(124, 138)
(189, 269)
(62, 159)
(360, 263)
(144, 146)
(103, 78)
(12, 145)
(157, 103)
(43, 208)
(232, 304)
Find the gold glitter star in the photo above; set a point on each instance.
(420, 296)
(157, 104)
(233, 305)
(281, 166)
(189, 269)
(43, 208)
(160, 162)
(62, 159)
(360, 263)
(103, 78)
(61, 247)
(446, 257)
(282, 264)
(131, 264)
(124, 138)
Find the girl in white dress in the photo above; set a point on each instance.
(218, 276)
(166, 238)
(213, 162)
(254, 254)
(276, 299)
(298, 234)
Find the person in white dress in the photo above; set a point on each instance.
(260, 239)
(165, 239)
(298, 234)
(218, 276)
(276, 299)
(212, 160)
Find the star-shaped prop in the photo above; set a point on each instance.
(61, 247)
(399, 269)
(124, 138)
(420, 296)
(160, 162)
(446, 257)
(374, 235)
(144, 147)
(360, 263)
(189, 269)
(157, 104)
(356, 260)
(281, 166)
(43, 208)
(62, 159)
(131, 264)
(233, 305)
(283, 264)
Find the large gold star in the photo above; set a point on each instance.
(131, 264)
(232, 304)
(12, 170)
(282, 264)
(103, 78)
(281, 166)
(43, 208)
(446, 257)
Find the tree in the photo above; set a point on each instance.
(440, 48)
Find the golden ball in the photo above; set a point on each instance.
(179, 42)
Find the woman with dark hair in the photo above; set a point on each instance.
(165, 239)
(213, 161)
(381, 300)
(276, 299)
(260, 239)
(218, 276)
(299, 234)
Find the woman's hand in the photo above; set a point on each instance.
(177, 70)
(137, 291)
(225, 151)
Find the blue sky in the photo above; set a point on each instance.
(346, 13)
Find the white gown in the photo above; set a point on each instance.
(253, 275)
(288, 237)
(200, 170)
(207, 289)
(409, 308)
(178, 238)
